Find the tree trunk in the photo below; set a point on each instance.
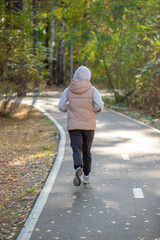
(51, 80)
(18, 5)
(35, 38)
(55, 61)
(8, 5)
(35, 34)
(21, 85)
(47, 43)
(20, 81)
(61, 59)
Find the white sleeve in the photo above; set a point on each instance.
(97, 101)
(63, 103)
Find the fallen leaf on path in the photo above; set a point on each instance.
(36, 229)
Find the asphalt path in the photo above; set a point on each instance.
(122, 201)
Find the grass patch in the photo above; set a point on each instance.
(130, 111)
(46, 121)
(30, 190)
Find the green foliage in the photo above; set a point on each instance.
(54, 134)
(21, 193)
(148, 87)
(8, 93)
(19, 66)
(16, 42)
(118, 40)
(46, 122)
(30, 190)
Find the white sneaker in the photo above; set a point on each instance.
(77, 178)
(85, 179)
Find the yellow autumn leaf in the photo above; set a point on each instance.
(36, 229)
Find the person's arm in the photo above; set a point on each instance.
(63, 103)
(97, 101)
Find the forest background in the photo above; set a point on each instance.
(44, 41)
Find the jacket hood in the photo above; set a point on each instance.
(80, 86)
(81, 80)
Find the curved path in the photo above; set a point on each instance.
(123, 200)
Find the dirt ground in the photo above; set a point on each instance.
(28, 145)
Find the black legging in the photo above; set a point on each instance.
(81, 142)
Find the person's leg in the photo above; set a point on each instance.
(76, 142)
(88, 136)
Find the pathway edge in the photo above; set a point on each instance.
(32, 219)
(137, 121)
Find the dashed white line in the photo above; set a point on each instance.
(125, 157)
(138, 193)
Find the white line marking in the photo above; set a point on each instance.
(125, 157)
(138, 193)
(32, 219)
